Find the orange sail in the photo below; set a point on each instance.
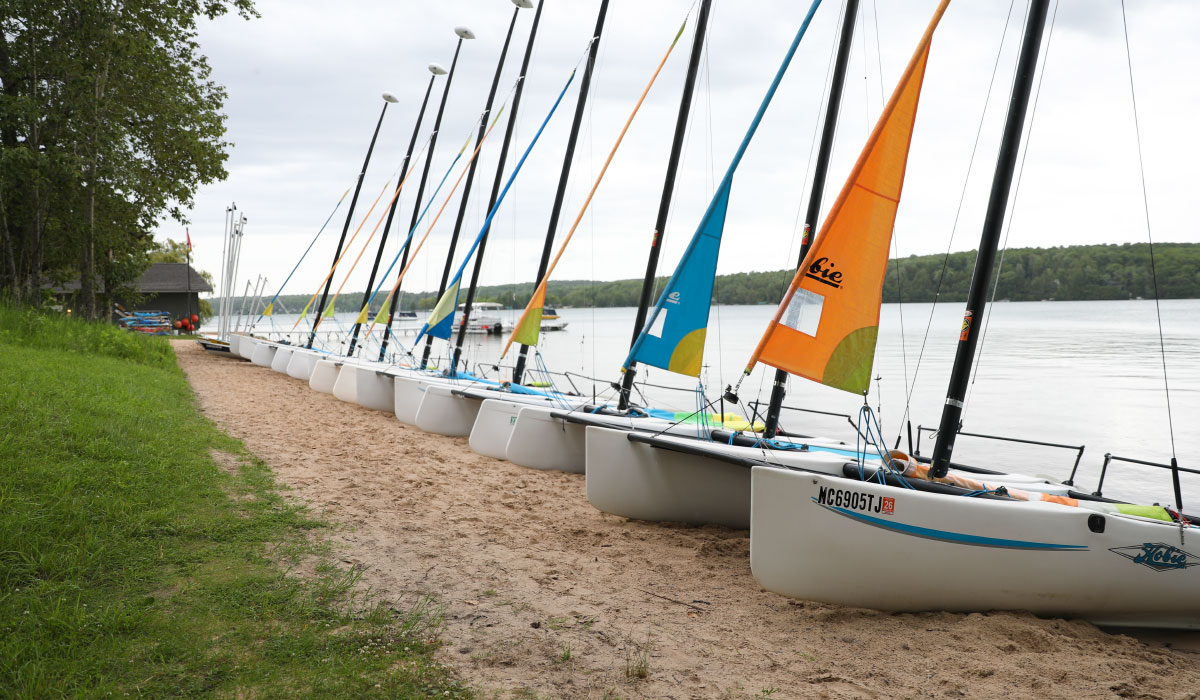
(825, 327)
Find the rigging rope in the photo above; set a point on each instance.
(1012, 212)
(954, 227)
(1153, 276)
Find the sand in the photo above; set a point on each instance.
(544, 596)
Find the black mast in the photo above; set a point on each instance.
(664, 204)
(811, 216)
(387, 98)
(462, 204)
(436, 70)
(584, 86)
(992, 224)
(498, 182)
(463, 33)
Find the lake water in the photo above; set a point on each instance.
(1079, 373)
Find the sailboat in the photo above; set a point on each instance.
(554, 438)
(445, 412)
(472, 409)
(939, 543)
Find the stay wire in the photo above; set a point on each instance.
(1162, 348)
(812, 146)
(1012, 212)
(954, 227)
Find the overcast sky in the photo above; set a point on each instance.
(304, 85)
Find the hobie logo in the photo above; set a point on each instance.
(822, 271)
(1158, 556)
(673, 298)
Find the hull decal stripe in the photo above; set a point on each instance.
(955, 537)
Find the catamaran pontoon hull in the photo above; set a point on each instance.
(324, 376)
(245, 347)
(303, 363)
(374, 387)
(264, 353)
(283, 355)
(493, 427)
(540, 439)
(857, 543)
(636, 480)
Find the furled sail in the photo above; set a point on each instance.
(826, 326)
(673, 337)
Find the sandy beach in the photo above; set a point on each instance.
(544, 596)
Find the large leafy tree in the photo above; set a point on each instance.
(109, 122)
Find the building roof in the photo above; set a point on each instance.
(172, 277)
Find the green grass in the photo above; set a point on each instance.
(131, 565)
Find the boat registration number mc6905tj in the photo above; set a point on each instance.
(854, 500)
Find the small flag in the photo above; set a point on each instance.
(328, 311)
(269, 310)
(382, 316)
(188, 233)
(362, 316)
(304, 313)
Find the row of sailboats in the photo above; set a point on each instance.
(860, 525)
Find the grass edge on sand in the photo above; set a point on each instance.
(144, 553)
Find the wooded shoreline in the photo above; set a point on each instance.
(1073, 273)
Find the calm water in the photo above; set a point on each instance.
(1080, 373)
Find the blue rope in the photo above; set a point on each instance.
(870, 434)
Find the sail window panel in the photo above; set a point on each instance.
(657, 325)
(804, 312)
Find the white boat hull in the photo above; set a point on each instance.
(324, 376)
(833, 540)
(375, 389)
(345, 386)
(235, 345)
(283, 355)
(638, 481)
(302, 364)
(246, 347)
(408, 392)
(445, 413)
(264, 354)
(493, 426)
(541, 441)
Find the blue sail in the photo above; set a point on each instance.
(442, 317)
(673, 337)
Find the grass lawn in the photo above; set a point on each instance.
(133, 565)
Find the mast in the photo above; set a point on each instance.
(388, 98)
(664, 204)
(463, 33)
(499, 181)
(811, 216)
(992, 224)
(435, 70)
(580, 103)
(462, 203)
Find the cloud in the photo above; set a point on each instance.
(304, 84)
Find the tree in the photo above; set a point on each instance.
(108, 123)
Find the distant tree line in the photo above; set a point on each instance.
(108, 124)
(1024, 274)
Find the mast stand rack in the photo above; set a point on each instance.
(1078, 449)
(1110, 457)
